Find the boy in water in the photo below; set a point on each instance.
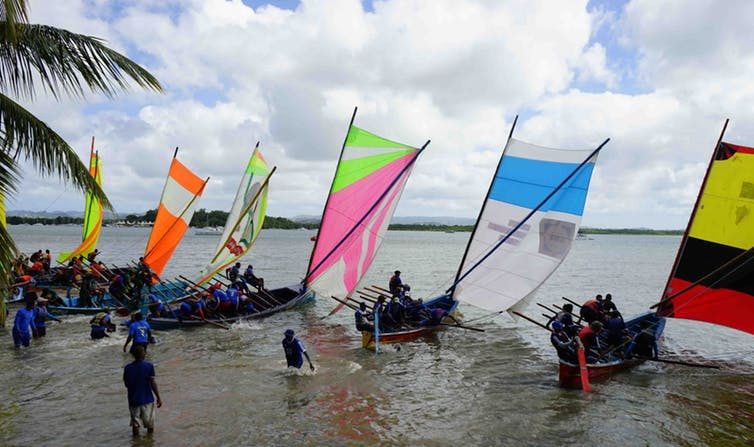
(138, 376)
(293, 349)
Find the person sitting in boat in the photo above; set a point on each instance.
(644, 344)
(37, 269)
(90, 257)
(253, 280)
(117, 288)
(101, 324)
(589, 336)
(41, 315)
(360, 316)
(155, 306)
(436, 316)
(565, 317)
(234, 272)
(47, 260)
(395, 283)
(563, 343)
(616, 329)
(397, 311)
(229, 304)
(417, 311)
(52, 297)
(608, 305)
(591, 310)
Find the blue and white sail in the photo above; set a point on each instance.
(510, 275)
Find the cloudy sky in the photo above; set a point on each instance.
(656, 76)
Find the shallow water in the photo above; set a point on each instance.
(498, 387)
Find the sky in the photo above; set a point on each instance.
(658, 77)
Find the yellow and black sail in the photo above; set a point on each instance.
(713, 278)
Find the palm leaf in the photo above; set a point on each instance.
(28, 137)
(65, 61)
(12, 12)
(8, 180)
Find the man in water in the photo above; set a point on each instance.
(40, 318)
(23, 321)
(138, 376)
(139, 331)
(294, 349)
(101, 325)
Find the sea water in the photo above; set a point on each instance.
(493, 388)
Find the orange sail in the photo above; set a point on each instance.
(182, 189)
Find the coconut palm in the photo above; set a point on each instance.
(63, 64)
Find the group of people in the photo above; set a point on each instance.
(31, 320)
(399, 311)
(601, 332)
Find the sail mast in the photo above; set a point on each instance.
(528, 216)
(329, 194)
(682, 247)
(93, 157)
(484, 203)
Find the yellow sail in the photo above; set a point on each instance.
(93, 213)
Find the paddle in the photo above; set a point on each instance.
(583, 370)
(463, 327)
(227, 328)
(679, 362)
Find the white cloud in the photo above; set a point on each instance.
(452, 71)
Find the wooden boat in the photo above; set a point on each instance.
(712, 278)
(273, 301)
(569, 375)
(445, 302)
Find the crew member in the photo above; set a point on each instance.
(139, 331)
(40, 318)
(23, 321)
(395, 283)
(294, 349)
(563, 343)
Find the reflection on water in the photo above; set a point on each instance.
(455, 387)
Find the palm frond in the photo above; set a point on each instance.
(12, 12)
(26, 136)
(65, 62)
(8, 179)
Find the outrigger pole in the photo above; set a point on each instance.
(528, 216)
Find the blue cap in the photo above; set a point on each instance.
(557, 326)
(289, 332)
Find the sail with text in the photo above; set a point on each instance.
(527, 224)
(93, 213)
(367, 186)
(246, 217)
(179, 198)
(713, 276)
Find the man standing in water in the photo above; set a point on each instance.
(138, 376)
(293, 351)
(23, 321)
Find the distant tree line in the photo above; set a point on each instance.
(59, 220)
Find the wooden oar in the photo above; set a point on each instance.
(381, 289)
(227, 328)
(679, 362)
(531, 320)
(572, 302)
(275, 302)
(463, 327)
(344, 302)
(583, 370)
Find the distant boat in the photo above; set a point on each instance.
(209, 231)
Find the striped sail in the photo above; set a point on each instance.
(713, 279)
(179, 197)
(368, 183)
(508, 278)
(93, 214)
(245, 220)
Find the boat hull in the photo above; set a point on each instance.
(289, 297)
(443, 301)
(569, 374)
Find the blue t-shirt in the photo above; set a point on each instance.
(294, 350)
(40, 317)
(24, 319)
(139, 331)
(220, 295)
(136, 376)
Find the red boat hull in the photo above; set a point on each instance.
(570, 377)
